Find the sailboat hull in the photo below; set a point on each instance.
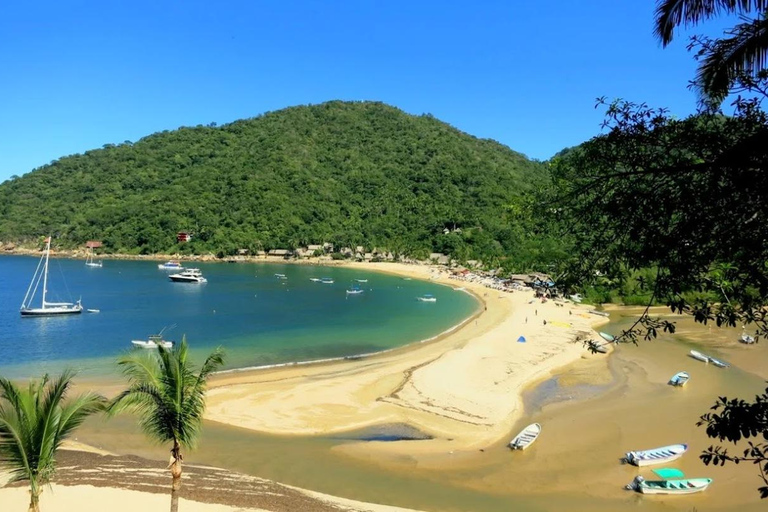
(51, 311)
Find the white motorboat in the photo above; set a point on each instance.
(671, 486)
(656, 455)
(699, 356)
(526, 437)
(361, 280)
(680, 379)
(153, 341)
(326, 280)
(170, 265)
(314, 279)
(46, 308)
(354, 291)
(746, 338)
(190, 275)
(427, 298)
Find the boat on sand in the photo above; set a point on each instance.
(671, 486)
(680, 379)
(656, 455)
(698, 356)
(526, 437)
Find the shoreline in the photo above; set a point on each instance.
(409, 384)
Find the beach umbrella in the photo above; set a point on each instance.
(521, 339)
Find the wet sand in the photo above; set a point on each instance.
(593, 409)
(463, 389)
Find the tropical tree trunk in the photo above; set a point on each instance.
(34, 500)
(175, 467)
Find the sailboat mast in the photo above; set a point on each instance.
(45, 275)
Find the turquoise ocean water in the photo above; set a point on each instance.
(258, 318)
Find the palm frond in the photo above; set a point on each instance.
(671, 14)
(33, 423)
(745, 52)
(167, 392)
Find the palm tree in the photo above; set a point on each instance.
(745, 51)
(170, 398)
(33, 424)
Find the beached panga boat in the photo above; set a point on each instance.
(526, 437)
(607, 337)
(698, 355)
(672, 486)
(718, 362)
(656, 455)
(746, 338)
(680, 379)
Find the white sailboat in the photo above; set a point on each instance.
(46, 308)
(90, 262)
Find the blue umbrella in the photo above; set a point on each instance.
(521, 339)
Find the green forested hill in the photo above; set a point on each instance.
(352, 173)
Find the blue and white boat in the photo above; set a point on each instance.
(427, 298)
(656, 455)
(355, 291)
(680, 379)
(326, 280)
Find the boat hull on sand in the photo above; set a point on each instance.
(680, 379)
(526, 437)
(656, 455)
(671, 486)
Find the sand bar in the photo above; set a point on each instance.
(464, 386)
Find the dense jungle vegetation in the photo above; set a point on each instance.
(350, 173)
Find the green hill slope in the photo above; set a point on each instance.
(352, 173)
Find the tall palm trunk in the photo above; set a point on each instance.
(175, 467)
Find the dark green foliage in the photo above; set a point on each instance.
(350, 173)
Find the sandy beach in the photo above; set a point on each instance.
(464, 386)
(470, 390)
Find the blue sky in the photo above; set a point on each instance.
(80, 74)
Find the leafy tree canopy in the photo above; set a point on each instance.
(350, 173)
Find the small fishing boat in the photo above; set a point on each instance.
(427, 298)
(607, 337)
(314, 279)
(526, 437)
(153, 341)
(718, 362)
(680, 379)
(191, 275)
(699, 356)
(746, 338)
(93, 310)
(326, 280)
(170, 265)
(354, 291)
(671, 486)
(656, 455)
(279, 275)
(361, 280)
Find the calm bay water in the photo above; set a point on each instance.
(258, 318)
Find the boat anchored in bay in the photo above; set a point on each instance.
(191, 275)
(46, 308)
